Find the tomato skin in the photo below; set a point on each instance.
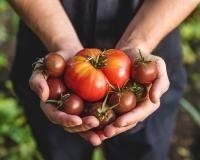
(145, 73)
(89, 52)
(89, 73)
(125, 99)
(85, 80)
(109, 115)
(54, 64)
(56, 88)
(73, 105)
(139, 90)
(117, 68)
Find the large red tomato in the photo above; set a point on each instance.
(89, 72)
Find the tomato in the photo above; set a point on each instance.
(68, 103)
(144, 71)
(117, 68)
(73, 105)
(54, 64)
(125, 101)
(56, 88)
(140, 90)
(89, 73)
(102, 113)
(85, 80)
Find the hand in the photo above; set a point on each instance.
(73, 123)
(143, 109)
(70, 123)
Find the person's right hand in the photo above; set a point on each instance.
(70, 123)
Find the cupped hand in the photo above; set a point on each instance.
(70, 123)
(143, 109)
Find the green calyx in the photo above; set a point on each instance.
(141, 60)
(139, 90)
(102, 111)
(99, 61)
(38, 66)
(59, 102)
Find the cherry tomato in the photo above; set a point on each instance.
(102, 113)
(73, 105)
(125, 101)
(54, 64)
(139, 90)
(56, 88)
(144, 71)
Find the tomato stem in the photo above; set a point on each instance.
(99, 61)
(141, 57)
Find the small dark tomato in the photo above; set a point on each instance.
(73, 105)
(104, 114)
(145, 73)
(125, 101)
(54, 65)
(140, 90)
(144, 70)
(56, 88)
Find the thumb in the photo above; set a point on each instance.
(39, 85)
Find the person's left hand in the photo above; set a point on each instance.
(143, 109)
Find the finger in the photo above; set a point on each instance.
(161, 84)
(112, 130)
(87, 124)
(39, 85)
(138, 114)
(101, 135)
(92, 137)
(59, 117)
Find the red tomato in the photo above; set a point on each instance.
(89, 73)
(85, 80)
(144, 70)
(56, 88)
(117, 68)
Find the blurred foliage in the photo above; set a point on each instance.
(16, 142)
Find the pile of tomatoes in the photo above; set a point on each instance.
(104, 84)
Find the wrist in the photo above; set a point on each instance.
(133, 40)
(66, 48)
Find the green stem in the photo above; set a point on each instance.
(52, 101)
(113, 106)
(191, 110)
(140, 53)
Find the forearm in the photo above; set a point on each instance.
(48, 20)
(154, 21)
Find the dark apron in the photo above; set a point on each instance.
(100, 24)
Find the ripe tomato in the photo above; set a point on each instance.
(73, 105)
(54, 64)
(139, 90)
(91, 70)
(117, 68)
(144, 71)
(102, 113)
(126, 101)
(56, 88)
(85, 80)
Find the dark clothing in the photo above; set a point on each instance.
(100, 24)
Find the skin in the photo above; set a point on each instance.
(145, 32)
